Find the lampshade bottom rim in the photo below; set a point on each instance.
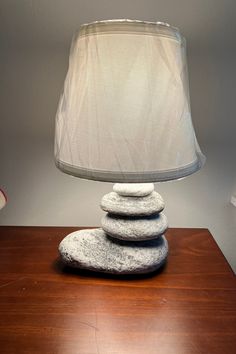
(131, 177)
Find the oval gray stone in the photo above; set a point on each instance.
(139, 206)
(133, 228)
(133, 189)
(94, 250)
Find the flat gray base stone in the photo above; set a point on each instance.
(134, 228)
(94, 250)
(133, 189)
(139, 206)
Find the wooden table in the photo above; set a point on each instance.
(187, 307)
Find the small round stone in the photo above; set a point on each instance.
(133, 228)
(133, 189)
(94, 250)
(138, 206)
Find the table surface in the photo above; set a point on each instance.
(189, 306)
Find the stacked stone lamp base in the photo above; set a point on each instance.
(131, 240)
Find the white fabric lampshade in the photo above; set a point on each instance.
(124, 114)
(3, 199)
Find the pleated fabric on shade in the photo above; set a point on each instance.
(124, 115)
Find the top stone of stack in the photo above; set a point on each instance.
(133, 189)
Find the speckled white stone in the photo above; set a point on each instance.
(94, 250)
(133, 189)
(138, 206)
(133, 228)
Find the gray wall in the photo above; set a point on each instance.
(35, 40)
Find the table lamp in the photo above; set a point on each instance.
(124, 117)
(3, 199)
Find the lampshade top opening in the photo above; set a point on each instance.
(130, 26)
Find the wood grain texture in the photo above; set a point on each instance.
(189, 306)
